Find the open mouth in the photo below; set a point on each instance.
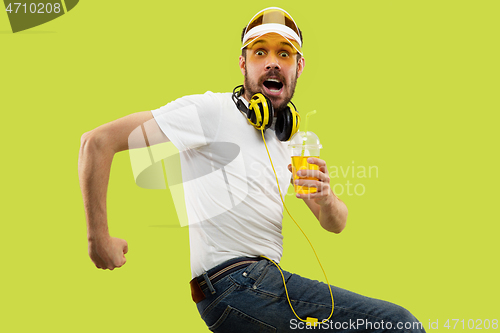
(274, 86)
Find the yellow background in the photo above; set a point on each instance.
(410, 87)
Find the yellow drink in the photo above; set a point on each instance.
(300, 163)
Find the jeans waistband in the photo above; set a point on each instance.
(207, 279)
(218, 272)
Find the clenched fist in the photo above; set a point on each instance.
(108, 252)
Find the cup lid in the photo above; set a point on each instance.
(305, 139)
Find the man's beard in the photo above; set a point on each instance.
(251, 89)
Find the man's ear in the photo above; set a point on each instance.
(242, 64)
(300, 66)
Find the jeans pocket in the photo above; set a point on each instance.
(209, 305)
(233, 320)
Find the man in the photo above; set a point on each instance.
(235, 212)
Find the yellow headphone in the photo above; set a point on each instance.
(260, 113)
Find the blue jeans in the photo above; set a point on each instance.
(253, 299)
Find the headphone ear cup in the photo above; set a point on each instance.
(260, 111)
(283, 126)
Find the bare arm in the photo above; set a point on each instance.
(332, 215)
(330, 211)
(97, 150)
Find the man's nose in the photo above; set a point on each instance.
(272, 62)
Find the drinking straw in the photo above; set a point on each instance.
(307, 121)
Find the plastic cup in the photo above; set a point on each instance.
(302, 146)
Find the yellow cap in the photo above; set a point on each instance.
(276, 20)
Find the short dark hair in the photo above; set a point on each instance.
(244, 51)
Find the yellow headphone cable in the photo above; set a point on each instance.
(310, 320)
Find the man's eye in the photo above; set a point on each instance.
(284, 54)
(260, 52)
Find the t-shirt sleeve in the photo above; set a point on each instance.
(190, 121)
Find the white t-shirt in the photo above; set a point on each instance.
(232, 201)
